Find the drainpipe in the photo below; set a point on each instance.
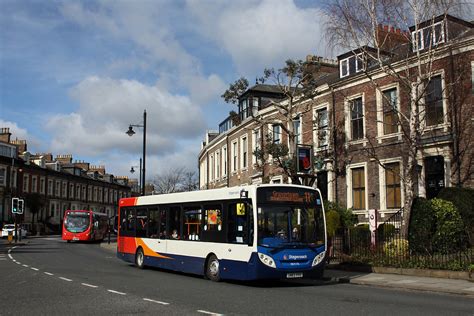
(454, 118)
(334, 137)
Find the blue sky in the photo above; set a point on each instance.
(75, 74)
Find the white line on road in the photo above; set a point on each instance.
(65, 279)
(35, 269)
(121, 293)
(26, 266)
(89, 285)
(48, 273)
(206, 312)
(157, 302)
(9, 255)
(18, 262)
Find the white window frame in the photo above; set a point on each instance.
(34, 184)
(279, 132)
(50, 187)
(380, 111)
(421, 38)
(350, 202)
(256, 143)
(445, 123)
(3, 176)
(348, 126)
(26, 184)
(382, 184)
(298, 137)
(224, 162)
(234, 156)
(277, 179)
(359, 57)
(212, 163)
(217, 155)
(244, 141)
(341, 67)
(42, 184)
(316, 109)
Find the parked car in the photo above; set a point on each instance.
(11, 228)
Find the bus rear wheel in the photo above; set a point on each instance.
(212, 269)
(140, 259)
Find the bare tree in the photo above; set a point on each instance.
(355, 25)
(296, 82)
(175, 180)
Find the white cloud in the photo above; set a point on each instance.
(108, 106)
(261, 34)
(21, 134)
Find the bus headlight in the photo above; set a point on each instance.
(266, 260)
(320, 257)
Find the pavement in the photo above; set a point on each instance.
(396, 280)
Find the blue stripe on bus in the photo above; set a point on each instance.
(229, 269)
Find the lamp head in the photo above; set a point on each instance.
(132, 170)
(130, 131)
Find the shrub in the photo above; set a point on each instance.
(347, 218)
(333, 222)
(360, 236)
(396, 248)
(422, 226)
(449, 226)
(385, 232)
(463, 199)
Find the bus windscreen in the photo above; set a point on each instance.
(290, 218)
(77, 222)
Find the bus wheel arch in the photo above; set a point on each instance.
(140, 258)
(212, 268)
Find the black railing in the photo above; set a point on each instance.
(391, 249)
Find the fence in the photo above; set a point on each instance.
(390, 248)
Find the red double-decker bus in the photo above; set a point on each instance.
(84, 225)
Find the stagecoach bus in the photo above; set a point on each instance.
(83, 225)
(245, 233)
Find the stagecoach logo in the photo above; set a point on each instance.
(294, 257)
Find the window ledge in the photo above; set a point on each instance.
(362, 141)
(431, 128)
(322, 148)
(382, 137)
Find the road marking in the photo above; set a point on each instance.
(18, 262)
(65, 279)
(26, 266)
(157, 302)
(35, 269)
(9, 255)
(48, 273)
(89, 285)
(116, 292)
(206, 312)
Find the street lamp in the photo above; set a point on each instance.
(132, 170)
(130, 133)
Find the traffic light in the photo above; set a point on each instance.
(21, 206)
(305, 159)
(15, 205)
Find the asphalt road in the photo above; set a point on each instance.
(50, 277)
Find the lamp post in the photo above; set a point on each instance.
(132, 170)
(130, 133)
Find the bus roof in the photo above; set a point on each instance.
(201, 195)
(95, 213)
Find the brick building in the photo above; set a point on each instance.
(50, 185)
(356, 126)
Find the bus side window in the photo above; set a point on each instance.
(141, 222)
(154, 223)
(192, 223)
(238, 223)
(162, 223)
(130, 219)
(174, 227)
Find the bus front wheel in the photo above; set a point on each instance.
(212, 269)
(140, 259)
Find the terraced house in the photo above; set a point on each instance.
(365, 123)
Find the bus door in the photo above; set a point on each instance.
(156, 232)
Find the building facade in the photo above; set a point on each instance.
(50, 186)
(357, 126)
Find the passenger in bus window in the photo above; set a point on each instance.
(175, 234)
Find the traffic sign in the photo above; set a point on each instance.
(15, 203)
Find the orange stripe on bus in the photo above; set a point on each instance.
(148, 251)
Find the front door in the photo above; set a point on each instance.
(434, 175)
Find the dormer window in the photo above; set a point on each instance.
(429, 36)
(344, 67)
(350, 65)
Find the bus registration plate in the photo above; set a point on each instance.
(294, 275)
(75, 238)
